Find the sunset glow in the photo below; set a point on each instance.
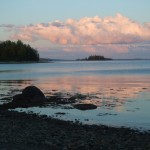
(62, 33)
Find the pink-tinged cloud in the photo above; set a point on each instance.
(87, 31)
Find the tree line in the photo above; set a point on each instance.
(17, 51)
(95, 57)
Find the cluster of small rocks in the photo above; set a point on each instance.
(32, 96)
(29, 131)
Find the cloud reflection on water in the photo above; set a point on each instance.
(120, 100)
(107, 92)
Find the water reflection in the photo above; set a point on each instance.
(107, 92)
(120, 100)
(15, 82)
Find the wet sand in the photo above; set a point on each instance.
(29, 131)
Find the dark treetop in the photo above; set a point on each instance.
(17, 51)
(95, 58)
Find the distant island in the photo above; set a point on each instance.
(94, 58)
(17, 52)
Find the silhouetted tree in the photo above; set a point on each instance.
(96, 57)
(17, 51)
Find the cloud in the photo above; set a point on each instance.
(86, 31)
(7, 26)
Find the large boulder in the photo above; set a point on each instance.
(32, 91)
(30, 94)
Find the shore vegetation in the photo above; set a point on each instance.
(95, 58)
(17, 51)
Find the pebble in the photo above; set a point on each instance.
(43, 133)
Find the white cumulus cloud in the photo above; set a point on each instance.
(86, 31)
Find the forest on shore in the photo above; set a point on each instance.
(95, 58)
(17, 51)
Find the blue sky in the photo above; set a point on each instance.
(36, 11)
(21, 13)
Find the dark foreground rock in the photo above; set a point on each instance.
(30, 96)
(29, 132)
(85, 106)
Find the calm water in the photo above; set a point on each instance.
(120, 89)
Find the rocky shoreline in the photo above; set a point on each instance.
(21, 131)
(29, 131)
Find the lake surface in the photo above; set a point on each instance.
(120, 89)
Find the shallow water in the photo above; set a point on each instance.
(120, 89)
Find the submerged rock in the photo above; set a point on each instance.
(85, 106)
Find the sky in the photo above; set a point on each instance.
(71, 29)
